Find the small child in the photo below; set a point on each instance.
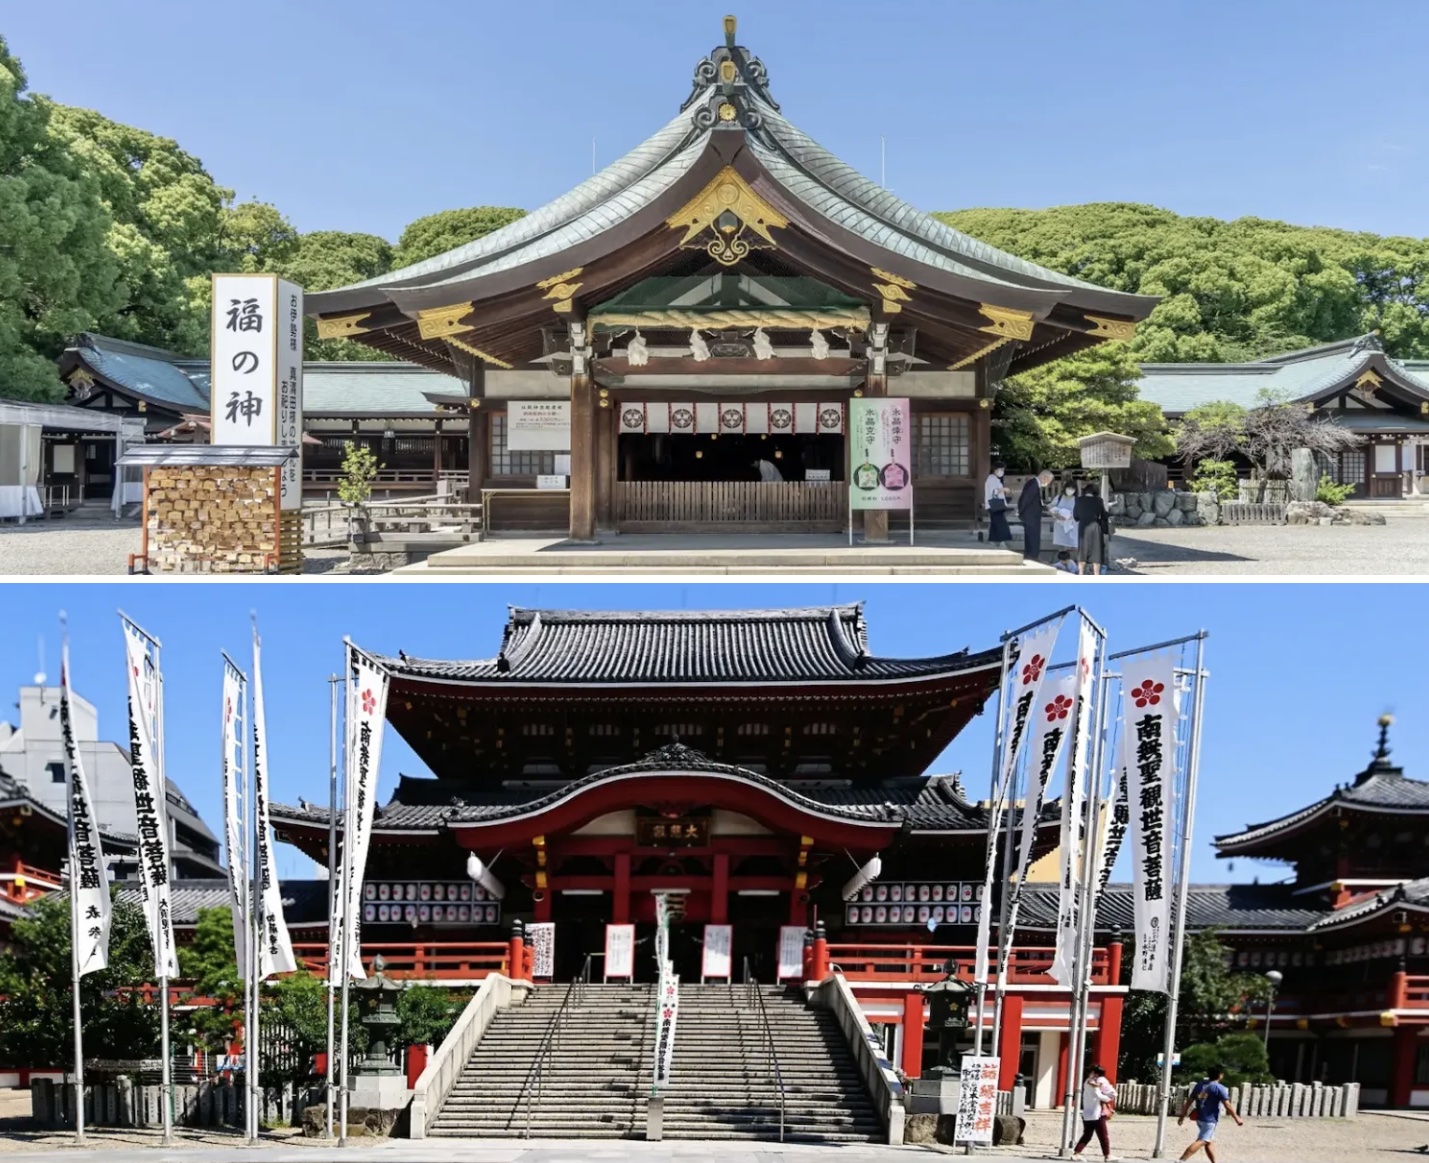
(1065, 563)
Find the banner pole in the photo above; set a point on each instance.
(167, 1074)
(250, 929)
(342, 958)
(78, 1091)
(1183, 872)
(255, 897)
(995, 797)
(332, 681)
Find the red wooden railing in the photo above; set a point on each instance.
(1415, 992)
(441, 960)
(926, 963)
(22, 882)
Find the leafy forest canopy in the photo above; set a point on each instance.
(108, 228)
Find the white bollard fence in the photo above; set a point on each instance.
(1279, 1100)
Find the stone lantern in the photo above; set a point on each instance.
(948, 1004)
(378, 1083)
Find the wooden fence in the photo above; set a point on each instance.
(730, 506)
(125, 1103)
(1280, 1100)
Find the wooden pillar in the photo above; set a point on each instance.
(478, 446)
(1064, 1046)
(620, 898)
(437, 451)
(719, 890)
(1113, 964)
(605, 450)
(1009, 1048)
(1401, 1068)
(875, 383)
(583, 466)
(1106, 1039)
(912, 1063)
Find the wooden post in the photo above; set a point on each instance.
(477, 442)
(875, 384)
(620, 898)
(583, 466)
(1106, 1042)
(912, 1058)
(605, 453)
(1401, 1069)
(719, 890)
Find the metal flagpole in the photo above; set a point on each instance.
(332, 884)
(167, 1075)
(1183, 872)
(341, 956)
(78, 1091)
(994, 805)
(250, 929)
(1086, 919)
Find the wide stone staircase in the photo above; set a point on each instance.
(592, 1084)
(722, 1081)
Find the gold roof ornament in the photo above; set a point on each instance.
(727, 219)
(1007, 323)
(1104, 328)
(560, 289)
(439, 322)
(341, 326)
(893, 290)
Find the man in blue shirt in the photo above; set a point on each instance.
(1207, 1097)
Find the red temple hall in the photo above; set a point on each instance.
(748, 763)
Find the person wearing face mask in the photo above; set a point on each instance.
(1030, 511)
(994, 495)
(1093, 529)
(1064, 522)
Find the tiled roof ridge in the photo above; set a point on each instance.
(97, 342)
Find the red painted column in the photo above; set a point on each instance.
(1009, 1047)
(912, 1063)
(1401, 1070)
(1113, 958)
(620, 896)
(1398, 990)
(719, 890)
(1064, 1046)
(819, 962)
(1106, 1041)
(516, 956)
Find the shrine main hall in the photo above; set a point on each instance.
(713, 300)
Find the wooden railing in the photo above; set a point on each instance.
(22, 882)
(736, 506)
(927, 963)
(1416, 991)
(386, 478)
(441, 960)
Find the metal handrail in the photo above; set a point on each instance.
(535, 1077)
(751, 987)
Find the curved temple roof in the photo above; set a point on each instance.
(816, 644)
(791, 197)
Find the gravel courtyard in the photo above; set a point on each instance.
(1401, 546)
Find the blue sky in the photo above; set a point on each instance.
(360, 115)
(1300, 672)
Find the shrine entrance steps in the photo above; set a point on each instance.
(722, 1083)
(593, 1083)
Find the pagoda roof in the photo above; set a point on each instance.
(15, 794)
(1309, 375)
(1381, 788)
(820, 644)
(794, 200)
(1243, 908)
(1410, 895)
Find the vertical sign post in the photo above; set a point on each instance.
(880, 457)
(256, 394)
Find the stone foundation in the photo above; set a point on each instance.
(215, 519)
(1161, 509)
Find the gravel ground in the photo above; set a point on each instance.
(1401, 546)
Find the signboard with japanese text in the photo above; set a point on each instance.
(541, 936)
(256, 386)
(538, 426)
(791, 953)
(880, 454)
(666, 1015)
(619, 951)
(716, 961)
(977, 1101)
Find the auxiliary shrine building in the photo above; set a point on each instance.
(750, 762)
(711, 300)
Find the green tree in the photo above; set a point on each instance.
(1040, 414)
(359, 470)
(209, 965)
(1242, 1056)
(1211, 432)
(438, 233)
(256, 239)
(57, 275)
(427, 1013)
(332, 258)
(37, 997)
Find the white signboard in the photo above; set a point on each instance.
(551, 481)
(619, 951)
(1149, 747)
(538, 426)
(817, 474)
(665, 1028)
(880, 454)
(977, 1101)
(542, 939)
(366, 718)
(791, 953)
(256, 392)
(716, 960)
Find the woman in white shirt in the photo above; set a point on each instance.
(994, 496)
(1064, 523)
(1098, 1096)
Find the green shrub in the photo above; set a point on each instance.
(427, 1013)
(1216, 476)
(1331, 493)
(1242, 1055)
(359, 470)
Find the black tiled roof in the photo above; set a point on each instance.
(1229, 907)
(812, 644)
(1412, 892)
(304, 901)
(12, 791)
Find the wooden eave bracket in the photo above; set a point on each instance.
(342, 326)
(1106, 328)
(1006, 324)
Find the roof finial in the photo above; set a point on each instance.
(730, 24)
(1385, 722)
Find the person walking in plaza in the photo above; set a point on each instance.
(1030, 510)
(994, 496)
(1064, 524)
(1093, 529)
(1206, 1099)
(1098, 1098)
